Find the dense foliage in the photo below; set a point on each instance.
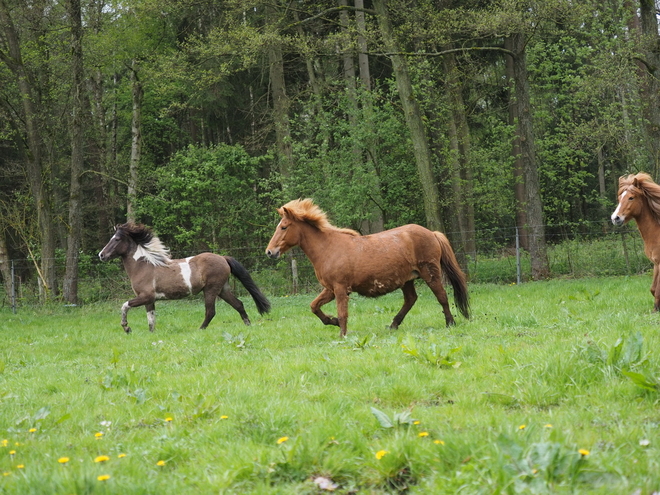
(201, 117)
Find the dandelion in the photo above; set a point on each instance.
(423, 433)
(103, 477)
(381, 453)
(160, 463)
(416, 422)
(583, 452)
(6, 473)
(63, 460)
(102, 458)
(121, 456)
(282, 440)
(32, 430)
(12, 452)
(168, 419)
(438, 442)
(20, 466)
(4, 443)
(224, 417)
(522, 427)
(547, 426)
(99, 434)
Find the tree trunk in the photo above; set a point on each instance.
(650, 45)
(363, 57)
(413, 114)
(5, 264)
(533, 205)
(518, 175)
(281, 102)
(39, 185)
(70, 284)
(136, 142)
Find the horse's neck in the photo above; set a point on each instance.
(315, 243)
(131, 265)
(648, 226)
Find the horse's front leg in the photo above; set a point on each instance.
(342, 310)
(655, 287)
(134, 303)
(324, 298)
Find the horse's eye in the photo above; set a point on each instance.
(283, 228)
(630, 198)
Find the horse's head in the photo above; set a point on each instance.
(118, 245)
(631, 198)
(287, 234)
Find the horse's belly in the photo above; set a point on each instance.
(376, 287)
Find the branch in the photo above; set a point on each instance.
(330, 11)
(452, 50)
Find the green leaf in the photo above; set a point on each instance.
(642, 381)
(382, 418)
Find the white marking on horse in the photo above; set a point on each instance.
(160, 295)
(151, 318)
(618, 207)
(186, 273)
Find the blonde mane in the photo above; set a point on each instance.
(153, 252)
(304, 210)
(643, 184)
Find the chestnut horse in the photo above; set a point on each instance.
(639, 198)
(154, 275)
(371, 265)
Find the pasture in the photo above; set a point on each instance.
(530, 396)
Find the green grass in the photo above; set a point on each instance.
(538, 354)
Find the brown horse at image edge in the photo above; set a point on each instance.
(372, 265)
(639, 199)
(154, 275)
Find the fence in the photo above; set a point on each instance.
(498, 260)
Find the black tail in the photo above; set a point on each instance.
(455, 275)
(239, 271)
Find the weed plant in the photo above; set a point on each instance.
(540, 392)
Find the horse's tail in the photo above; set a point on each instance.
(239, 271)
(454, 273)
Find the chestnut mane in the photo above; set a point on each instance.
(643, 183)
(304, 210)
(149, 246)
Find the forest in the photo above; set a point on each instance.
(200, 117)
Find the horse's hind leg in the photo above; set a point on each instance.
(432, 277)
(151, 315)
(227, 295)
(324, 298)
(409, 299)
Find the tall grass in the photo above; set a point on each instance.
(529, 396)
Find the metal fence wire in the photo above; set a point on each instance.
(498, 259)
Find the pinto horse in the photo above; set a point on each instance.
(639, 198)
(155, 276)
(371, 265)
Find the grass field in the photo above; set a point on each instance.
(535, 394)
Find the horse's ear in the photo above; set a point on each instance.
(635, 182)
(284, 212)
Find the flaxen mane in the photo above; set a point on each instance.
(645, 185)
(149, 246)
(306, 211)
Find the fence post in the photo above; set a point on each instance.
(294, 274)
(13, 288)
(518, 267)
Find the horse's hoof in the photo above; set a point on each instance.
(393, 327)
(247, 322)
(127, 329)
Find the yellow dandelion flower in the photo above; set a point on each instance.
(224, 416)
(63, 460)
(32, 430)
(160, 463)
(103, 477)
(99, 434)
(416, 422)
(381, 453)
(522, 427)
(20, 466)
(4, 442)
(17, 444)
(12, 452)
(583, 452)
(439, 442)
(102, 458)
(282, 440)
(6, 473)
(423, 433)
(547, 426)
(120, 456)
(168, 419)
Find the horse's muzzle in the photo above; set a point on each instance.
(102, 256)
(273, 253)
(617, 220)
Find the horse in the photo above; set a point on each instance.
(639, 198)
(372, 265)
(154, 275)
